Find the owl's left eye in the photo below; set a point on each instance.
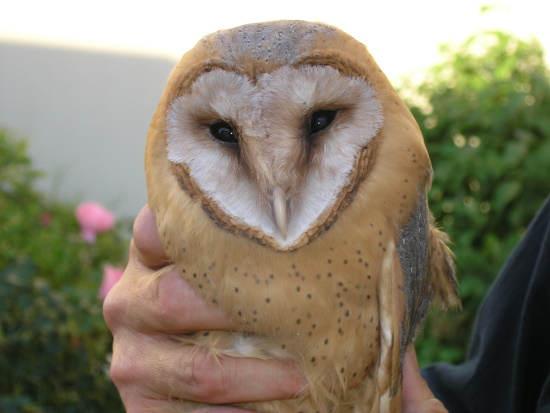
(224, 132)
(320, 120)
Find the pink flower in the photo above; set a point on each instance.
(46, 219)
(111, 275)
(93, 220)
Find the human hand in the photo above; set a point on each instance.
(416, 396)
(150, 368)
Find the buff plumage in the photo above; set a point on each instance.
(289, 184)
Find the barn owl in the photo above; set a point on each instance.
(289, 185)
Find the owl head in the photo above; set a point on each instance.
(272, 127)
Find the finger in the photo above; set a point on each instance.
(164, 304)
(221, 409)
(175, 371)
(148, 247)
(231, 380)
(414, 386)
(416, 395)
(173, 306)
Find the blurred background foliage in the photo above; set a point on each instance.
(484, 115)
(54, 345)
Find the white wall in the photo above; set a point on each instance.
(86, 115)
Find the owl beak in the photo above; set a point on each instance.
(280, 210)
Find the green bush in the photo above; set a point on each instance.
(484, 116)
(53, 347)
(54, 344)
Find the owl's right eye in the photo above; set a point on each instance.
(224, 132)
(320, 120)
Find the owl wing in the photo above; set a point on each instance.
(427, 265)
(417, 270)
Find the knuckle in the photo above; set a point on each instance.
(123, 372)
(113, 307)
(116, 303)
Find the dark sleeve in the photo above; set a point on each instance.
(507, 369)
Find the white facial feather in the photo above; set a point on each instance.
(273, 112)
(295, 93)
(218, 95)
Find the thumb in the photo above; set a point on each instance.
(416, 395)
